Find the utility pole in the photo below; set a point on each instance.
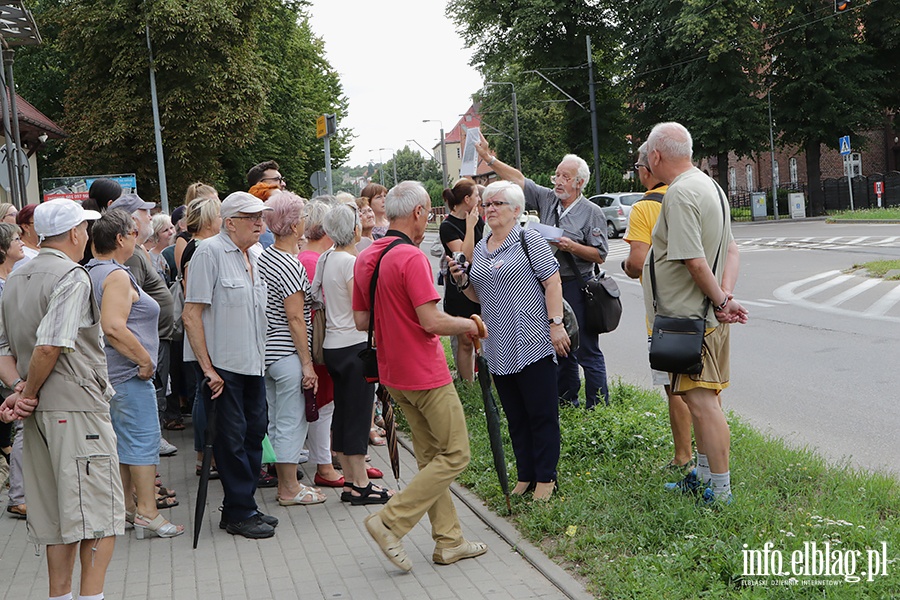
(596, 142)
(443, 150)
(772, 153)
(157, 130)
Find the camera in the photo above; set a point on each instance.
(460, 259)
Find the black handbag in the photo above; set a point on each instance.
(369, 355)
(676, 344)
(602, 303)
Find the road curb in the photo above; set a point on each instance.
(831, 221)
(554, 573)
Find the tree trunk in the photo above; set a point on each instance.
(722, 160)
(814, 180)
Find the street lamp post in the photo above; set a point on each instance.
(515, 106)
(393, 161)
(380, 164)
(443, 150)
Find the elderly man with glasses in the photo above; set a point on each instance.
(225, 322)
(582, 246)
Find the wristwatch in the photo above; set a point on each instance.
(491, 162)
(556, 320)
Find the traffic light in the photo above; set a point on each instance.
(842, 5)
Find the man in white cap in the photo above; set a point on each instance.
(51, 355)
(225, 322)
(150, 281)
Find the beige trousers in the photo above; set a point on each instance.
(441, 445)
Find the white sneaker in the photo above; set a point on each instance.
(165, 448)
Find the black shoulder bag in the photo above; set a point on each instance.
(602, 305)
(368, 354)
(570, 321)
(676, 345)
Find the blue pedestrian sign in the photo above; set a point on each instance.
(844, 143)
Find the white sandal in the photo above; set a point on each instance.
(158, 527)
(307, 496)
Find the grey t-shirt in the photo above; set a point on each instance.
(583, 223)
(149, 280)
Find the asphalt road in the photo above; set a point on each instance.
(817, 365)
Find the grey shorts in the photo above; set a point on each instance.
(72, 480)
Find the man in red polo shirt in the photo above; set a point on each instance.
(408, 325)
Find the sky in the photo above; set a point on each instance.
(400, 61)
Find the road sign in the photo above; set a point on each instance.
(319, 182)
(879, 190)
(321, 128)
(844, 143)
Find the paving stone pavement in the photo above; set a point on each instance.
(321, 551)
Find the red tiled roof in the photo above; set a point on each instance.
(29, 114)
(469, 120)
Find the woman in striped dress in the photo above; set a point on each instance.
(289, 365)
(522, 306)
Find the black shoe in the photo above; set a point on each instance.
(266, 481)
(253, 528)
(267, 519)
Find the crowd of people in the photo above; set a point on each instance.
(127, 321)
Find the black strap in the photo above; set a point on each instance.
(568, 255)
(715, 263)
(403, 239)
(653, 196)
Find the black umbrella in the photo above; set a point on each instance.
(210, 406)
(390, 430)
(492, 416)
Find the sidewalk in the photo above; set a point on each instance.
(322, 551)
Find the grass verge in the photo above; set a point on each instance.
(874, 214)
(613, 526)
(880, 268)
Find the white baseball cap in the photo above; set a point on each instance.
(59, 216)
(242, 202)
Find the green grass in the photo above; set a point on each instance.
(613, 526)
(879, 268)
(875, 214)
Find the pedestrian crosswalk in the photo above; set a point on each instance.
(820, 243)
(846, 294)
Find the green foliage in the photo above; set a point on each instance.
(612, 524)
(510, 37)
(238, 82)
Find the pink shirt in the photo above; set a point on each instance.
(409, 358)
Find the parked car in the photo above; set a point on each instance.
(616, 207)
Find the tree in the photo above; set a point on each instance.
(699, 63)
(238, 82)
(825, 84)
(209, 87)
(411, 166)
(300, 86)
(514, 36)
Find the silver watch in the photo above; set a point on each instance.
(556, 320)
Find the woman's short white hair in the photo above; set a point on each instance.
(672, 141)
(507, 190)
(341, 223)
(583, 172)
(402, 199)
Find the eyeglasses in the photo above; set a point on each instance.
(497, 203)
(638, 166)
(561, 178)
(278, 179)
(257, 218)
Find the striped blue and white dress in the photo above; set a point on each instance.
(512, 300)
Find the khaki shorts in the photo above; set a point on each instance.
(72, 481)
(716, 364)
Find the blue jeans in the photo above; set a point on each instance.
(240, 421)
(588, 355)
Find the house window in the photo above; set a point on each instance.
(793, 169)
(458, 152)
(732, 178)
(749, 170)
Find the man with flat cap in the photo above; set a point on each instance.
(225, 322)
(51, 355)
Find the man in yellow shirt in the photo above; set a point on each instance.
(644, 215)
